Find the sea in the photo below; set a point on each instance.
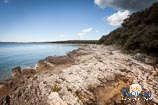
(28, 54)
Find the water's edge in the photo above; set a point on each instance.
(57, 52)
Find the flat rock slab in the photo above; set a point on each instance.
(4, 89)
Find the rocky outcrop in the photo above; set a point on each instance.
(91, 75)
(53, 61)
(4, 89)
(16, 72)
(28, 72)
(147, 59)
(21, 89)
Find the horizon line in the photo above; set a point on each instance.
(40, 41)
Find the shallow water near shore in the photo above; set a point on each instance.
(28, 54)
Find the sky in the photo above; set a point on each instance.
(54, 20)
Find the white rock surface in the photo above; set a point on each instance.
(97, 65)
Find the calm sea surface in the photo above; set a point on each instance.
(28, 54)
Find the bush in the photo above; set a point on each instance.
(139, 32)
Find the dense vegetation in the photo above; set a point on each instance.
(139, 32)
(77, 42)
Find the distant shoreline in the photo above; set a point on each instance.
(76, 42)
(64, 42)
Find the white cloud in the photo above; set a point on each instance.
(132, 5)
(85, 31)
(81, 34)
(117, 18)
(102, 3)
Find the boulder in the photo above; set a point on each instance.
(52, 61)
(4, 89)
(59, 59)
(27, 72)
(16, 72)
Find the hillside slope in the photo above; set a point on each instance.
(139, 32)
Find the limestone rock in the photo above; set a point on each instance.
(54, 99)
(28, 72)
(16, 72)
(95, 79)
(4, 89)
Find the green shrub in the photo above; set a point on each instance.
(139, 32)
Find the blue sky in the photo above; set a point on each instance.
(50, 20)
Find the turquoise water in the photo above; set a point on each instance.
(28, 54)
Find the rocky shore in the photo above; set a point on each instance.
(90, 75)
